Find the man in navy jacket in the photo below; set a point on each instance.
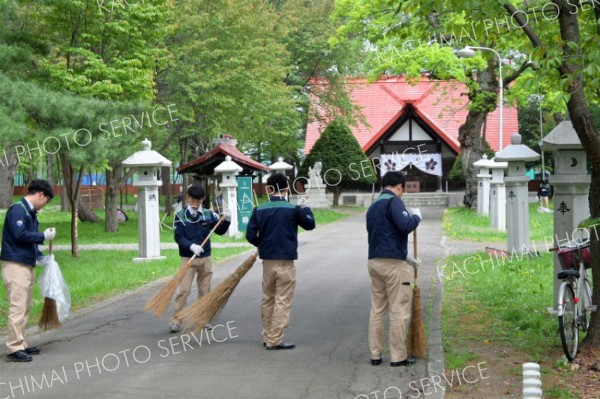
(273, 228)
(20, 239)
(192, 225)
(388, 226)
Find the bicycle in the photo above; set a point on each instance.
(575, 305)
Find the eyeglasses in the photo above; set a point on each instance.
(195, 200)
(48, 199)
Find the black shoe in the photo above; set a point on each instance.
(32, 350)
(18, 356)
(282, 345)
(375, 362)
(406, 362)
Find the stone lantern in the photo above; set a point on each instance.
(498, 195)
(483, 185)
(228, 171)
(147, 163)
(280, 166)
(517, 197)
(571, 186)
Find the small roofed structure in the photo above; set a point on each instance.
(205, 164)
(563, 137)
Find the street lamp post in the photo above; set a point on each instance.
(469, 52)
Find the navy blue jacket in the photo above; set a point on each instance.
(193, 230)
(388, 225)
(20, 236)
(273, 228)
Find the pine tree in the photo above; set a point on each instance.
(345, 165)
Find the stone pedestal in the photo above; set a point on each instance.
(483, 186)
(228, 171)
(571, 187)
(497, 196)
(517, 195)
(147, 164)
(316, 189)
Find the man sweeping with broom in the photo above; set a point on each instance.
(20, 239)
(192, 226)
(388, 226)
(273, 228)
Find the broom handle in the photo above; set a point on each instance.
(205, 240)
(415, 244)
(50, 248)
(415, 251)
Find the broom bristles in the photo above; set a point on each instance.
(416, 343)
(160, 302)
(49, 317)
(196, 316)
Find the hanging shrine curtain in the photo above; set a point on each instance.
(430, 163)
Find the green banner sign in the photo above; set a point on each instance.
(244, 199)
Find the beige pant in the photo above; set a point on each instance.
(390, 289)
(544, 202)
(19, 280)
(202, 270)
(279, 281)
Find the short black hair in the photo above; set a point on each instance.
(40, 186)
(393, 179)
(196, 191)
(278, 181)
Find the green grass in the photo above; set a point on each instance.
(93, 233)
(465, 224)
(508, 298)
(98, 275)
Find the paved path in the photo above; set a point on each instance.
(115, 350)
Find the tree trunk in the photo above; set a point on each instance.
(65, 203)
(8, 169)
(583, 123)
(50, 160)
(112, 191)
(166, 187)
(85, 214)
(73, 193)
(469, 134)
(337, 192)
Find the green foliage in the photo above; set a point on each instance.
(228, 73)
(342, 157)
(108, 53)
(457, 173)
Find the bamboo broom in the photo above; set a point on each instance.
(49, 317)
(416, 343)
(160, 302)
(196, 316)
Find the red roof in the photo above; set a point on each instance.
(441, 104)
(217, 155)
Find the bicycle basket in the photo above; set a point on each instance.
(568, 258)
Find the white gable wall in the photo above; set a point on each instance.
(418, 134)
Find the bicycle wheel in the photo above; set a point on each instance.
(567, 323)
(587, 301)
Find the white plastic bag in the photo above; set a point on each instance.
(53, 286)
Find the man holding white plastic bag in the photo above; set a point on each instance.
(20, 239)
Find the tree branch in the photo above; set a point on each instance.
(512, 10)
(509, 79)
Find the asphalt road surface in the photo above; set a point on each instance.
(116, 350)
